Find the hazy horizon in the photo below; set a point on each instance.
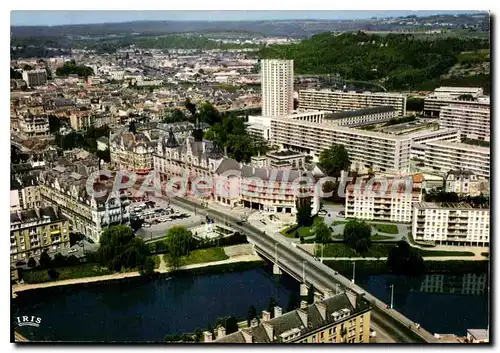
(60, 18)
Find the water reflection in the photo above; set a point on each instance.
(467, 284)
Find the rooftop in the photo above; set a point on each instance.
(360, 112)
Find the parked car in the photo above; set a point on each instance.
(322, 212)
(146, 225)
(71, 251)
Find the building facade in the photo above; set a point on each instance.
(367, 149)
(24, 193)
(395, 204)
(464, 182)
(473, 121)
(277, 87)
(342, 318)
(34, 126)
(35, 77)
(465, 96)
(35, 230)
(338, 101)
(362, 117)
(132, 152)
(456, 224)
(448, 156)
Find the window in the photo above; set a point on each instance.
(314, 338)
(322, 334)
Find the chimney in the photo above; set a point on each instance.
(247, 335)
(266, 315)
(277, 311)
(207, 336)
(352, 298)
(254, 322)
(317, 297)
(269, 330)
(321, 306)
(303, 312)
(221, 332)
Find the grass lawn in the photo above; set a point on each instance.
(426, 253)
(204, 255)
(301, 231)
(334, 223)
(80, 271)
(285, 232)
(385, 228)
(378, 237)
(336, 250)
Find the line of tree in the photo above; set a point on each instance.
(71, 68)
(398, 61)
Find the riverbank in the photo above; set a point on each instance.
(240, 259)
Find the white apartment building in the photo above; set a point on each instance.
(473, 121)
(338, 101)
(35, 77)
(277, 87)
(362, 117)
(450, 95)
(451, 224)
(395, 204)
(367, 149)
(419, 140)
(447, 156)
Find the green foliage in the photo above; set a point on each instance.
(405, 260)
(70, 68)
(15, 75)
(68, 272)
(441, 196)
(322, 232)
(395, 121)
(179, 243)
(31, 262)
(230, 323)
(204, 256)
(120, 249)
(357, 235)
(303, 205)
(334, 160)
(86, 140)
(401, 60)
(45, 259)
(480, 143)
(147, 267)
(174, 116)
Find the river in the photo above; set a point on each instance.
(148, 310)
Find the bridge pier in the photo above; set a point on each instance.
(303, 289)
(276, 270)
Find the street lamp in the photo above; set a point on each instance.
(304, 271)
(276, 252)
(353, 270)
(392, 296)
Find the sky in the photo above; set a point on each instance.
(54, 18)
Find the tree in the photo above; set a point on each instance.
(132, 128)
(45, 259)
(334, 160)
(15, 75)
(252, 314)
(147, 267)
(303, 205)
(322, 232)
(190, 107)
(179, 243)
(293, 301)
(31, 262)
(59, 260)
(271, 305)
(136, 223)
(357, 235)
(198, 334)
(405, 260)
(53, 274)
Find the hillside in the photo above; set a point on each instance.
(397, 61)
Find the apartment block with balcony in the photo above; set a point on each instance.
(342, 318)
(394, 204)
(338, 101)
(473, 121)
(24, 192)
(360, 117)
(447, 156)
(367, 149)
(34, 126)
(65, 188)
(35, 230)
(445, 96)
(132, 152)
(457, 224)
(35, 77)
